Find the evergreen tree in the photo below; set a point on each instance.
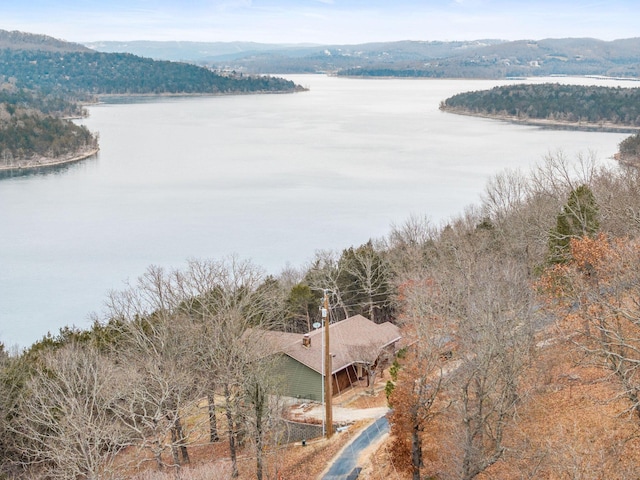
(578, 218)
(629, 148)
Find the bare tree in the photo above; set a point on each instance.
(519, 216)
(480, 300)
(492, 302)
(419, 395)
(324, 274)
(231, 301)
(365, 282)
(408, 247)
(523, 209)
(161, 386)
(617, 192)
(156, 341)
(372, 358)
(557, 175)
(67, 428)
(415, 401)
(261, 400)
(14, 374)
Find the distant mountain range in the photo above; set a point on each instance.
(488, 58)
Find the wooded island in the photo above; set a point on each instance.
(553, 104)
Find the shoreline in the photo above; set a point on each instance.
(100, 96)
(552, 124)
(44, 162)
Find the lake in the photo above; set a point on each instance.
(272, 178)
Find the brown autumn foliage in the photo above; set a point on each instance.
(571, 423)
(576, 416)
(413, 409)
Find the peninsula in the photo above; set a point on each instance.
(45, 80)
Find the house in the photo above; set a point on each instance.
(357, 345)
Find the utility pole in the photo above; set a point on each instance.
(327, 370)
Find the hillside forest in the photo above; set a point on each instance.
(35, 128)
(518, 311)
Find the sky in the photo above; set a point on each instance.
(321, 21)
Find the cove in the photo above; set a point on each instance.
(272, 178)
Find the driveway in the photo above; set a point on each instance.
(340, 414)
(345, 466)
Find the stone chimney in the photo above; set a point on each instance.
(306, 340)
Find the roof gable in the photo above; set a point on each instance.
(353, 340)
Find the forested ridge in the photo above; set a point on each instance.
(573, 104)
(521, 315)
(43, 80)
(122, 73)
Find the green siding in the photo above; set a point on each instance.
(300, 380)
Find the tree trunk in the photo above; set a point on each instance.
(372, 315)
(213, 422)
(157, 453)
(174, 447)
(259, 401)
(371, 378)
(181, 441)
(259, 442)
(416, 452)
(232, 432)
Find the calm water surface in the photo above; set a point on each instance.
(271, 177)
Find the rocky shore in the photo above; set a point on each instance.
(43, 162)
(547, 123)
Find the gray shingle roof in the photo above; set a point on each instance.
(353, 340)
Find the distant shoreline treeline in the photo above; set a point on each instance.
(552, 104)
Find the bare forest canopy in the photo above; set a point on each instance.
(484, 58)
(574, 105)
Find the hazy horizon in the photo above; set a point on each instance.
(321, 21)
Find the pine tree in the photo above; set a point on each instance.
(578, 218)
